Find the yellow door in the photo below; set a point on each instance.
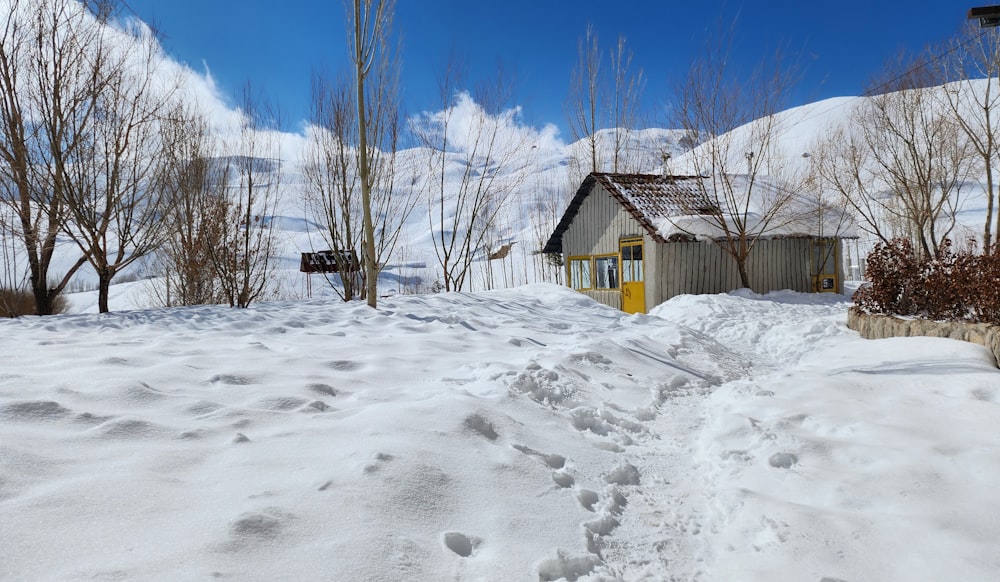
(633, 273)
(824, 266)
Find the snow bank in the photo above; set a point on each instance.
(528, 434)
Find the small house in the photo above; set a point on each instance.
(632, 241)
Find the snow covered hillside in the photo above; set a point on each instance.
(552, 170)
(522, 434)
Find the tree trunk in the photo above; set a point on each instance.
(368, 236)
(990, 200)
(987, 234)
(43, 301)
(104, 277)
(741, 264)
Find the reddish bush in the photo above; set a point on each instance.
(953, 286)
(986, 288)
(892, 270)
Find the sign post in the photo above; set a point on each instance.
(328, 261)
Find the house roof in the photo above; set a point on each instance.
(646, 197)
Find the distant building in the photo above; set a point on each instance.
(632, 241)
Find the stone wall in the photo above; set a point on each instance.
(872, 326)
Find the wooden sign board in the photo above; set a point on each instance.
(329, 262)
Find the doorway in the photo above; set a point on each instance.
(633, 276)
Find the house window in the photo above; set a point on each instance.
(632, 260)
(606, 272)
(579, 273)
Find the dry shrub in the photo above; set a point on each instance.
(986, 288)
(18, 302)
(891, 269)
(954, 286)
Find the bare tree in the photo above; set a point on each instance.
(477, 158)
(975, 105)
(626, 91)
(332, 171)
(11, 277)
(370, 28)
(197, 181)
(51, 53)
(245, 260)
(586, 98)
(843, 163)
(737, 115)
(547, 202)
(113, 196)
(604, 99)
(902, 162)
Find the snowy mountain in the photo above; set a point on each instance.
(549, 173)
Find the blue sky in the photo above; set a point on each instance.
(277, 45)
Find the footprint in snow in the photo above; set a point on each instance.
(380, 460)
(587, 499)
(783, 460)
(324, 389)
(551, 461)
(317, 406)
(479, 424)
(33, 411)
(563, 479)
(461, 544)
(564, 566)
(231, 380)
(344, 365)
(627, 474)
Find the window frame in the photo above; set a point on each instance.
(634, 273)
(582, 260)
(617, 273)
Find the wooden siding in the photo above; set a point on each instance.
(698, 267)
(598, 226)
(610, 298)
(652, 251)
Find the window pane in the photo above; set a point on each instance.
(607, 272)
(579, 273)
(632, 266)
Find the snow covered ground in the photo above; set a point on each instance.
(523, 434)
